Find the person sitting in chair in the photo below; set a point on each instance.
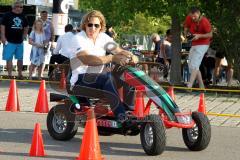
(64, 49)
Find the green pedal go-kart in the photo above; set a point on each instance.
(63, 121)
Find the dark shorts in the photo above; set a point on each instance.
(220, 55)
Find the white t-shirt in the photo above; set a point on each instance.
(66, 45)
(168, 49)
(97, 49)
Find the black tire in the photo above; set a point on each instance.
(155, 125)
(197, 138)
(70, 128)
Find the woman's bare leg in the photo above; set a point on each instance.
(31, 70)
(217, 69)
(200, 81)
(193, 76)
(40, 70)
(229, 75)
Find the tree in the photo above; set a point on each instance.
(145, 25)
(224, 15)
(121, 12)
(6, 2)
(177, 11)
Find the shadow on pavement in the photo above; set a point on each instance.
(26, 156)
(107, 148)
(176, 149)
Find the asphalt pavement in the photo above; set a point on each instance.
(16, 131)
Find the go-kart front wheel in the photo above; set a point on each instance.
(198, 137)
(153, 135)
(61, 123)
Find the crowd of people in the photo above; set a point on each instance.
(205, 62)
(14, 30)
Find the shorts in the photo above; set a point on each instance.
(13, 49)
(220, 55)
(196, 55)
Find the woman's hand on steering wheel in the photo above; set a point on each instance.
(120, 59)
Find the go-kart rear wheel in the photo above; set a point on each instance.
(61, 123)
(153, 135)
(198, 137)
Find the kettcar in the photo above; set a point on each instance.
(63, 121)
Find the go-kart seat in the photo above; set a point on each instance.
(82, 100)
(76, 90)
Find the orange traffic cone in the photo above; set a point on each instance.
(171, 93)
(201, 106)
(13, 102)
(42, 100)
(90, 147)
(62, 84)
(139, 104)
(37, 147)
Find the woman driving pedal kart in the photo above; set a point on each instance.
(88, 78)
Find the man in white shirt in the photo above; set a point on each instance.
(64, 49)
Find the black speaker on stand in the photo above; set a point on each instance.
(60, 15)
(60, 6)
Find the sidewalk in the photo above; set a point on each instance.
(222, 104)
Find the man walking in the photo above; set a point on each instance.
(198, 29)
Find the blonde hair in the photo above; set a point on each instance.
(17, 3)
(154, 36)
(34, 25)
(91, 14)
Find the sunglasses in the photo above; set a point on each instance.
(95, 25)
(19, 6)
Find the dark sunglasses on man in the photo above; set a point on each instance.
(95, 25)
(18, 6)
